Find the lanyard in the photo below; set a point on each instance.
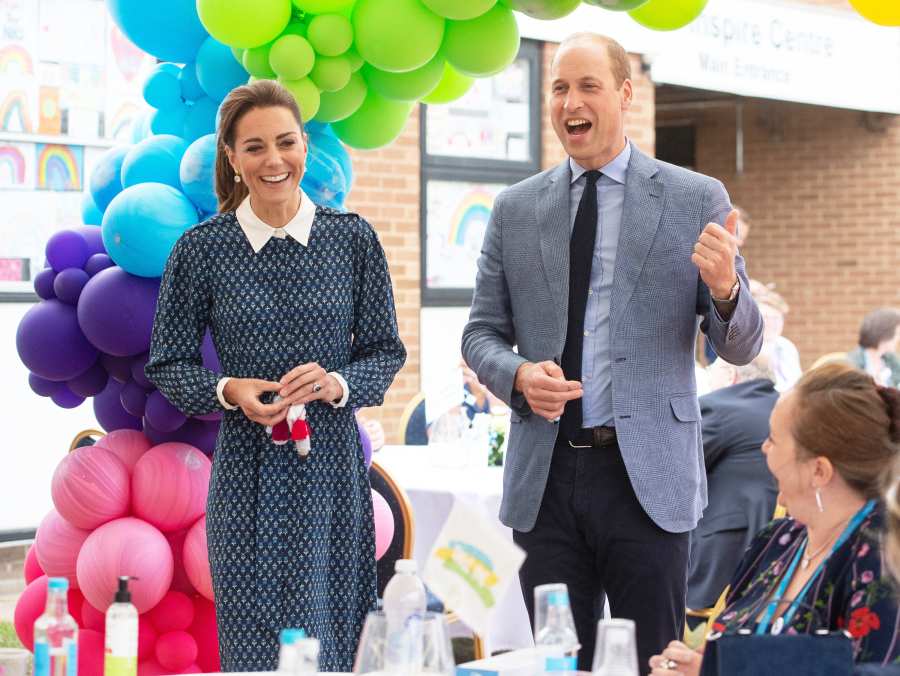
(785, 619)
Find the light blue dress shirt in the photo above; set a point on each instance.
(597, 406)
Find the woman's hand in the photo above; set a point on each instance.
(245, 393)
(676, 660)
(309, 382)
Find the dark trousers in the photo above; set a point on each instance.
(592, 534)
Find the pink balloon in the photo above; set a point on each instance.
(146, 638)
(169, 485)
(75, 602)
(91, 618)
(33, 569)
(57, 544)
(175, 612)
(176, 650)
(151, 668)
(90, 487)
(384, 524)
(205, 632)
(180, 581)
(31, 605)
(196, 558)
(90, 653)
(191, 669)
(127, 445)
(126, 546)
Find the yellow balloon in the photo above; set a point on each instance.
(883, 12)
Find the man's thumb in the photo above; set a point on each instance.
(731, 223)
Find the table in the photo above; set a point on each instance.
(433, 476)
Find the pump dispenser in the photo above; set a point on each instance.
(120, 655)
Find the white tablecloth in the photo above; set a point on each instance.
(433, 477)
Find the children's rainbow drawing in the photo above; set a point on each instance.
(473, 210)
(473, 566)
(122, 119)
(59, 167)
(14, 115)
(12, 166)
(15, 60)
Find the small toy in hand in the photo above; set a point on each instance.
(295, 427)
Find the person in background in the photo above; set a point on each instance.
(373, 428)
(782, 353)
(833, 440)
(876, 353)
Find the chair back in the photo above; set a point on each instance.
(413, 427)
(830, 358)
(401, 546)
(85, 438)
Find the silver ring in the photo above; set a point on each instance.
(668, 664)
(316, 387)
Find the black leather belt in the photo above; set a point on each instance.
(594, 437)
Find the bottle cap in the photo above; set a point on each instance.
(123, 594)
(405, 566)
(58, 584)
(291, 636)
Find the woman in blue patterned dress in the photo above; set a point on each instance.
(299, 302)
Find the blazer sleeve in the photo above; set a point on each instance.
(377, 353)
(175, 365)
(489, 336)
(739, 339)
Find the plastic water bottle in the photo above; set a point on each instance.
(298, 654)
(404, 608)
(121, 648)
(56, 634)
(556, 641)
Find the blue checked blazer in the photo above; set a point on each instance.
(519, 313)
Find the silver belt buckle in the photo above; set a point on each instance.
(579, 446)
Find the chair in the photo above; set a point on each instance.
(413, 428)
(829, 358)
(85, 438)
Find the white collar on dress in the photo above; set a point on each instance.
(258, 232)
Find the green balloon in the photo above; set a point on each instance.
(665, 15)
(353, 57)
(256, 62)
(451, 87)
(296, 28)
(546, 10)
(330, 34)
(337, 105)
(483, 46)
(409, 86)
(330, 73)
(323, 6)
(227, 20)
(617, 5)
(238, 54)
(306, 94)
(459, 10)
(396, 35)
(292, 57)
(377, 122)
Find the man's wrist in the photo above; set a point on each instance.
(727, 294)
(520, 375)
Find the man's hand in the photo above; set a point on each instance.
(714, 255)
(545, 388)
(245, 393)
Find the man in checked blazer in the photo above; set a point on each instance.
(586, 307)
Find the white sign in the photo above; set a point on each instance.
(773, 50)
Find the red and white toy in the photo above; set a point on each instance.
(293, 427)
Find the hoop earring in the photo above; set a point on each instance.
(819, 500)
(237, 178)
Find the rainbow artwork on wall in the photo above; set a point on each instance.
(14, 113)
(59, 167)
(14, 169)
(121, 122)
(15, 60)
(470, 217)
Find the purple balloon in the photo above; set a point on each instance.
(366, 443)
(161, 414)
(43, 387)
(197, 433)
(90, 383)
(94, 238)
(109, 412)
(208, 351)
(98, 262)
(118, 368)
(68, 284)
(51, 344)
(67, 249)
(215, 416)
(43, 283)
(134, 398)
(116, 311)
(66, 398)
(137, 371)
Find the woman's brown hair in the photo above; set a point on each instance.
(842, 415)
(241, 100)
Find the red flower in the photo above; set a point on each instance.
(862, 621)
(718, 626)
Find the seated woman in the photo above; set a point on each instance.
(832, 439)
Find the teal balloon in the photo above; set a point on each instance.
(170, 30)
(155, 159)
(483, 46)
(377, 122)
(330, 34)
(169, 120)
(396, 35)
(197, 172)
(106, 178)
(162, 88)
(190, 85)
(546, 10)
(665, 15)
(200, 119)
(617, 5)
(409, 86)
(90, 214)
(217, 69)
(334, 106)
(256, 62)
(142, 224)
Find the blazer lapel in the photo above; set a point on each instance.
(640, 218)
(552, 213)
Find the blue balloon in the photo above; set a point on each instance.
(90, 214)
(106, 179)
(217, 69)
(170, 30)
(327, 142)
(142, 224)
(169, 120)
(155, 159)
(198, 168)
(140, 127)
(201, 119)
(324, 178)
(162, 88)
(190, 85)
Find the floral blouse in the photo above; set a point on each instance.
(850, 594)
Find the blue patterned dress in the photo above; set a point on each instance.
(291, 543)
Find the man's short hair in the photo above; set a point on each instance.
(878, 326)
(619, 63)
